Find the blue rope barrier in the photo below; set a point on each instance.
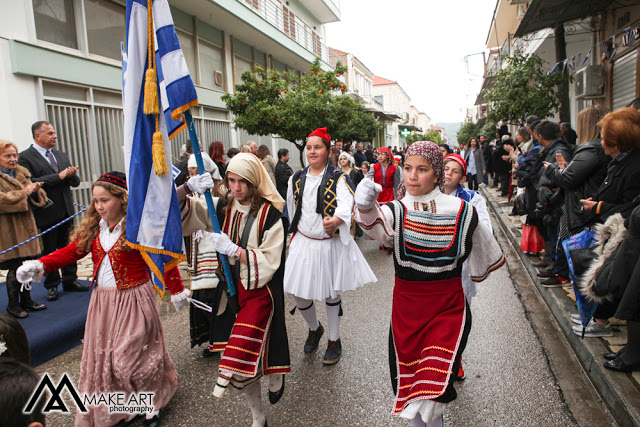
(47, 230)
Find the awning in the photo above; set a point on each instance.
(382, 116)
(486, 84)
(409, 127)
(543, 14)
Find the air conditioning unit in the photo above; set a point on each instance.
(589, 82)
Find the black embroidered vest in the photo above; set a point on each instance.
(327, 193)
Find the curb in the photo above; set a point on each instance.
(618, 390)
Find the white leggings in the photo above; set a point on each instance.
(308, 310)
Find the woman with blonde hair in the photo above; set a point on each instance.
(124, 349)
(18, 197)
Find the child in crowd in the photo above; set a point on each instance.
(253, 237)
(17, 383)
(324, 261)
(124, 348)
(13, 340)
(432, 235)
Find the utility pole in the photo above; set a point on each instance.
(563, 88)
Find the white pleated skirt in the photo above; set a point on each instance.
(321, 269)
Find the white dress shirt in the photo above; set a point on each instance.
(108, 239)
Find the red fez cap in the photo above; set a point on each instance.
(457, 158)
(322, 133)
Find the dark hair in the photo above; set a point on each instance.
(17, 383)
(548, 130)
(530, 120)
(282, 152)
(469, 141)
(37, 126)
(14, 337)
(534, 125)
(634, 104)
(216, 151)
(188, 146)
(446, 147)
(232, 152)
(263, 151)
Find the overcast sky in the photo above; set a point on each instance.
(421, 44)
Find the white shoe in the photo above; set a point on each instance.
(593, 330)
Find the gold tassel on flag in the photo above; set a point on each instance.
(151, 104)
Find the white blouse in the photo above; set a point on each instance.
(108, 239)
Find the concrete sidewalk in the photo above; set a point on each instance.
(620, 391)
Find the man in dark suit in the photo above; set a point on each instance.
(54, 170)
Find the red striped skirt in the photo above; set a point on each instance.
(427, 320)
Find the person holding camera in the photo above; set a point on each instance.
(546, 199)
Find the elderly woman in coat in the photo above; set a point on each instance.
(18, 197)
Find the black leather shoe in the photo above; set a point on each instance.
(274, 396)
(546, 273)
(618, 364)
(313, 339)
(74, 287)
(206, 353)
(52, 294)
(541, 264)
(611, 356)
(153, 422)
(333, 353)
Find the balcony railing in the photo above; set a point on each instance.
(283, 18)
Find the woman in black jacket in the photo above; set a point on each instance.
(621, 141)
(581, 178)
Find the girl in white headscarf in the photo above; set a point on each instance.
(258, 343)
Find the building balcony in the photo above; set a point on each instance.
(287, 22)
(325, 10)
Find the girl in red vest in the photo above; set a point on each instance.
(385, 173)
(124, 349)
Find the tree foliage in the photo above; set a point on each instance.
(522, 88)
(468, 130)
(283, 103)
(430, 135)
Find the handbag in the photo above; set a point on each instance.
(531, 241)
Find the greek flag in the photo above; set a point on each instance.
(154, 226)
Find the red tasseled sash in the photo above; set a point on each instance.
(428, 321)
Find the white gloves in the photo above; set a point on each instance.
(223, 244)
(180, 300)
(367, 194)
(30, 271)
(201, 183)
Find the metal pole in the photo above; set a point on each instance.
(224, 262)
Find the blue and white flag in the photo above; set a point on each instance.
(586, 58)
(154, 225)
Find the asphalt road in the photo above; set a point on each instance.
(508, 377)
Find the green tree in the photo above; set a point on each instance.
(523, 88)
(430, 135)
(283, 103)
(468, 130)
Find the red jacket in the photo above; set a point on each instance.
(129, 268)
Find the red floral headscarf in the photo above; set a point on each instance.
(430, 151)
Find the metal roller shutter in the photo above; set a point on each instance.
(624, 81)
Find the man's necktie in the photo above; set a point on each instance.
(52, 160)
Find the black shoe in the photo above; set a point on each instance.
(17, 311)
(333, 353)
(28, 304)
(313, 339)
(611, 356)
(52, 294)
(274, 396)
(541, 264)
(546, 273)
(153, 422)
(74, 287)
(206, 353)
(618, 364)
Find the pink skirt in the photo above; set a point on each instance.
(124, 351)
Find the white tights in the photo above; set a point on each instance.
(417, 422)
(310, 316)
(254, 399)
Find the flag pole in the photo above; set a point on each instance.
(226, 268)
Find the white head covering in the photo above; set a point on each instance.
(250, 168)
(348, 156)
(209, 165)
